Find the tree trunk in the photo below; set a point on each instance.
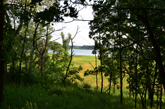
(70, 61)
(129, 92)
(114, 88)
(20, 63)
(96, 72)
(1, 52)
(161, 97)
(156, 48)
(101, 58)
(110, 81)
(42, 59)
(136, 82)
(148, 81)
(121, 78)
(101, 80)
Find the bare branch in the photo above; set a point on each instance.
(67, 70)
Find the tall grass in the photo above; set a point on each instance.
(58, 97)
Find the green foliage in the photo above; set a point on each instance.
(74, 73)
(86, 86)
(65, 42)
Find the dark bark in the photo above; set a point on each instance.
(1, 52)
(110, 81)
(20, 63)
(153, 86)
(101, 77)
(42, 59)
(121, 78)
(136, 81)
(96, 72)
(160, 99)
(148, 81)
(101, 72)
(101, 63)
(120, 51)
(156, 48)
(68, 67)
(130, 92)
(114, 88)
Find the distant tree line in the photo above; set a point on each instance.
(84, 47)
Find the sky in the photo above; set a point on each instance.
(82, 37)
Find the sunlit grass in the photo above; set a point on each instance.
(88, 62)
(85, 62)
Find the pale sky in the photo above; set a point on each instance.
(82, 37)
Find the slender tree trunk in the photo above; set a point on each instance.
(33, 47)
(157, 101)
(96, 72)
(121, 76)
(1, 52)
(20, 63)
(121, 79)
(161, 97)
(68, 67)
(110, 81)
(148, 81)
(20, 66)
(101, 58)
(101, 75)
(145, 98)
(42, 59)
(153, 86)
(136, 82)
(114, 88)
(129, 92)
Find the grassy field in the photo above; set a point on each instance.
(85, 61)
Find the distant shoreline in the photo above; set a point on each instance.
(82, 49)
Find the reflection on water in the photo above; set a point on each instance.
(78, 52)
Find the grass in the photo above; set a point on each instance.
(85, 61)
(73, 96)
(57, 97)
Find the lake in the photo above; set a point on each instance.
(78, 52)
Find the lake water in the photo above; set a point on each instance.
(78, 52)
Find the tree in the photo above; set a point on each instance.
(140, 25)
(70, 71)
(15, 23)
(1, 51)
(55, 46)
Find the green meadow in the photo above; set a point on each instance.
(73, 96)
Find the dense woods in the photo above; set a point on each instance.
(133, 36)
(128, 35)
